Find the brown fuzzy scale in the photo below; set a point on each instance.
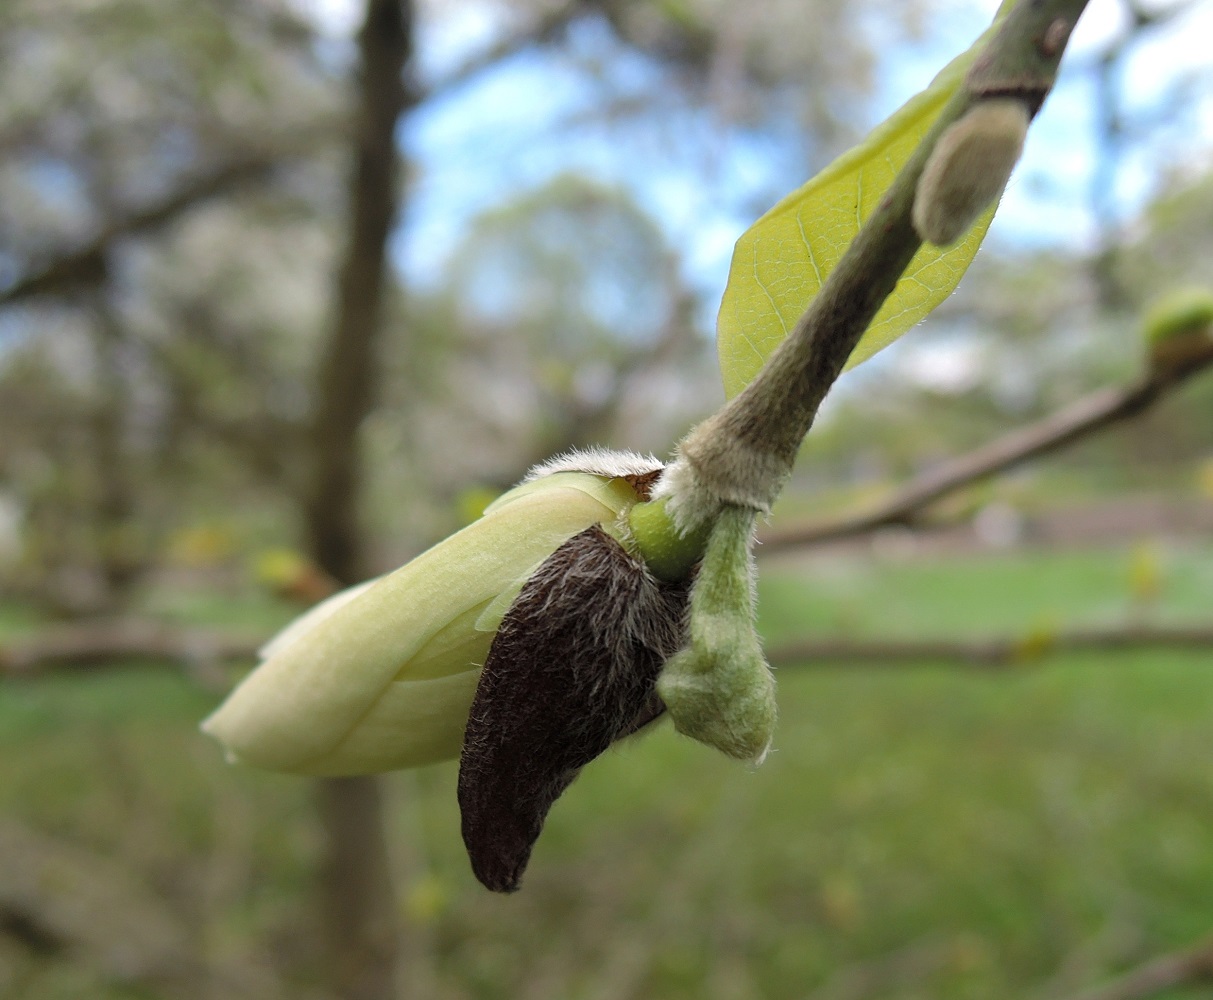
(643, 483)
(572, 669)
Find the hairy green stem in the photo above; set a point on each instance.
(719, 689)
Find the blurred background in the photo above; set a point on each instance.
(290, 289)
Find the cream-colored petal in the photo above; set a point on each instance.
(454, 649)
(491, 617)
(412, 723)
(616, 494)
(298, 628)
(306, 698)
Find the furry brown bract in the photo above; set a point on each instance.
(572, 668)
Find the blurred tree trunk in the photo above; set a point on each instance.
(115, 511)
(346, 379)
(358, 899)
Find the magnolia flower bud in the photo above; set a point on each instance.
(381, 676)
(968, 168)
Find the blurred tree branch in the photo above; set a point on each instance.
(1191, 966)
(544, 28)
(252, 162)
(1068, 426)
(990, 652)
(84, 265)
(271, 442)
(100, 643)
(114, 512)
(1110, 134)
(103, 643)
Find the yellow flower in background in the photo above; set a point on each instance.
(381, 676)
(1146, 572)
(1204, 477)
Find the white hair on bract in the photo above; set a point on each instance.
(599, 462)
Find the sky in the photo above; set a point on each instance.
(511, 130)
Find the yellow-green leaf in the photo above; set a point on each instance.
(780, 262)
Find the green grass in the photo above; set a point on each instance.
(917, 834)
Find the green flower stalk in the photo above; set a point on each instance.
(720, 690)
(380, 676)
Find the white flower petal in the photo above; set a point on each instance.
(311, 618)
(409, 725)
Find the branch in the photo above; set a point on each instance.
(85, 264)
(270, 442)
(544, 28)
(1186, 967)
(1067, 426)
(989, 653)
(103, 643)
